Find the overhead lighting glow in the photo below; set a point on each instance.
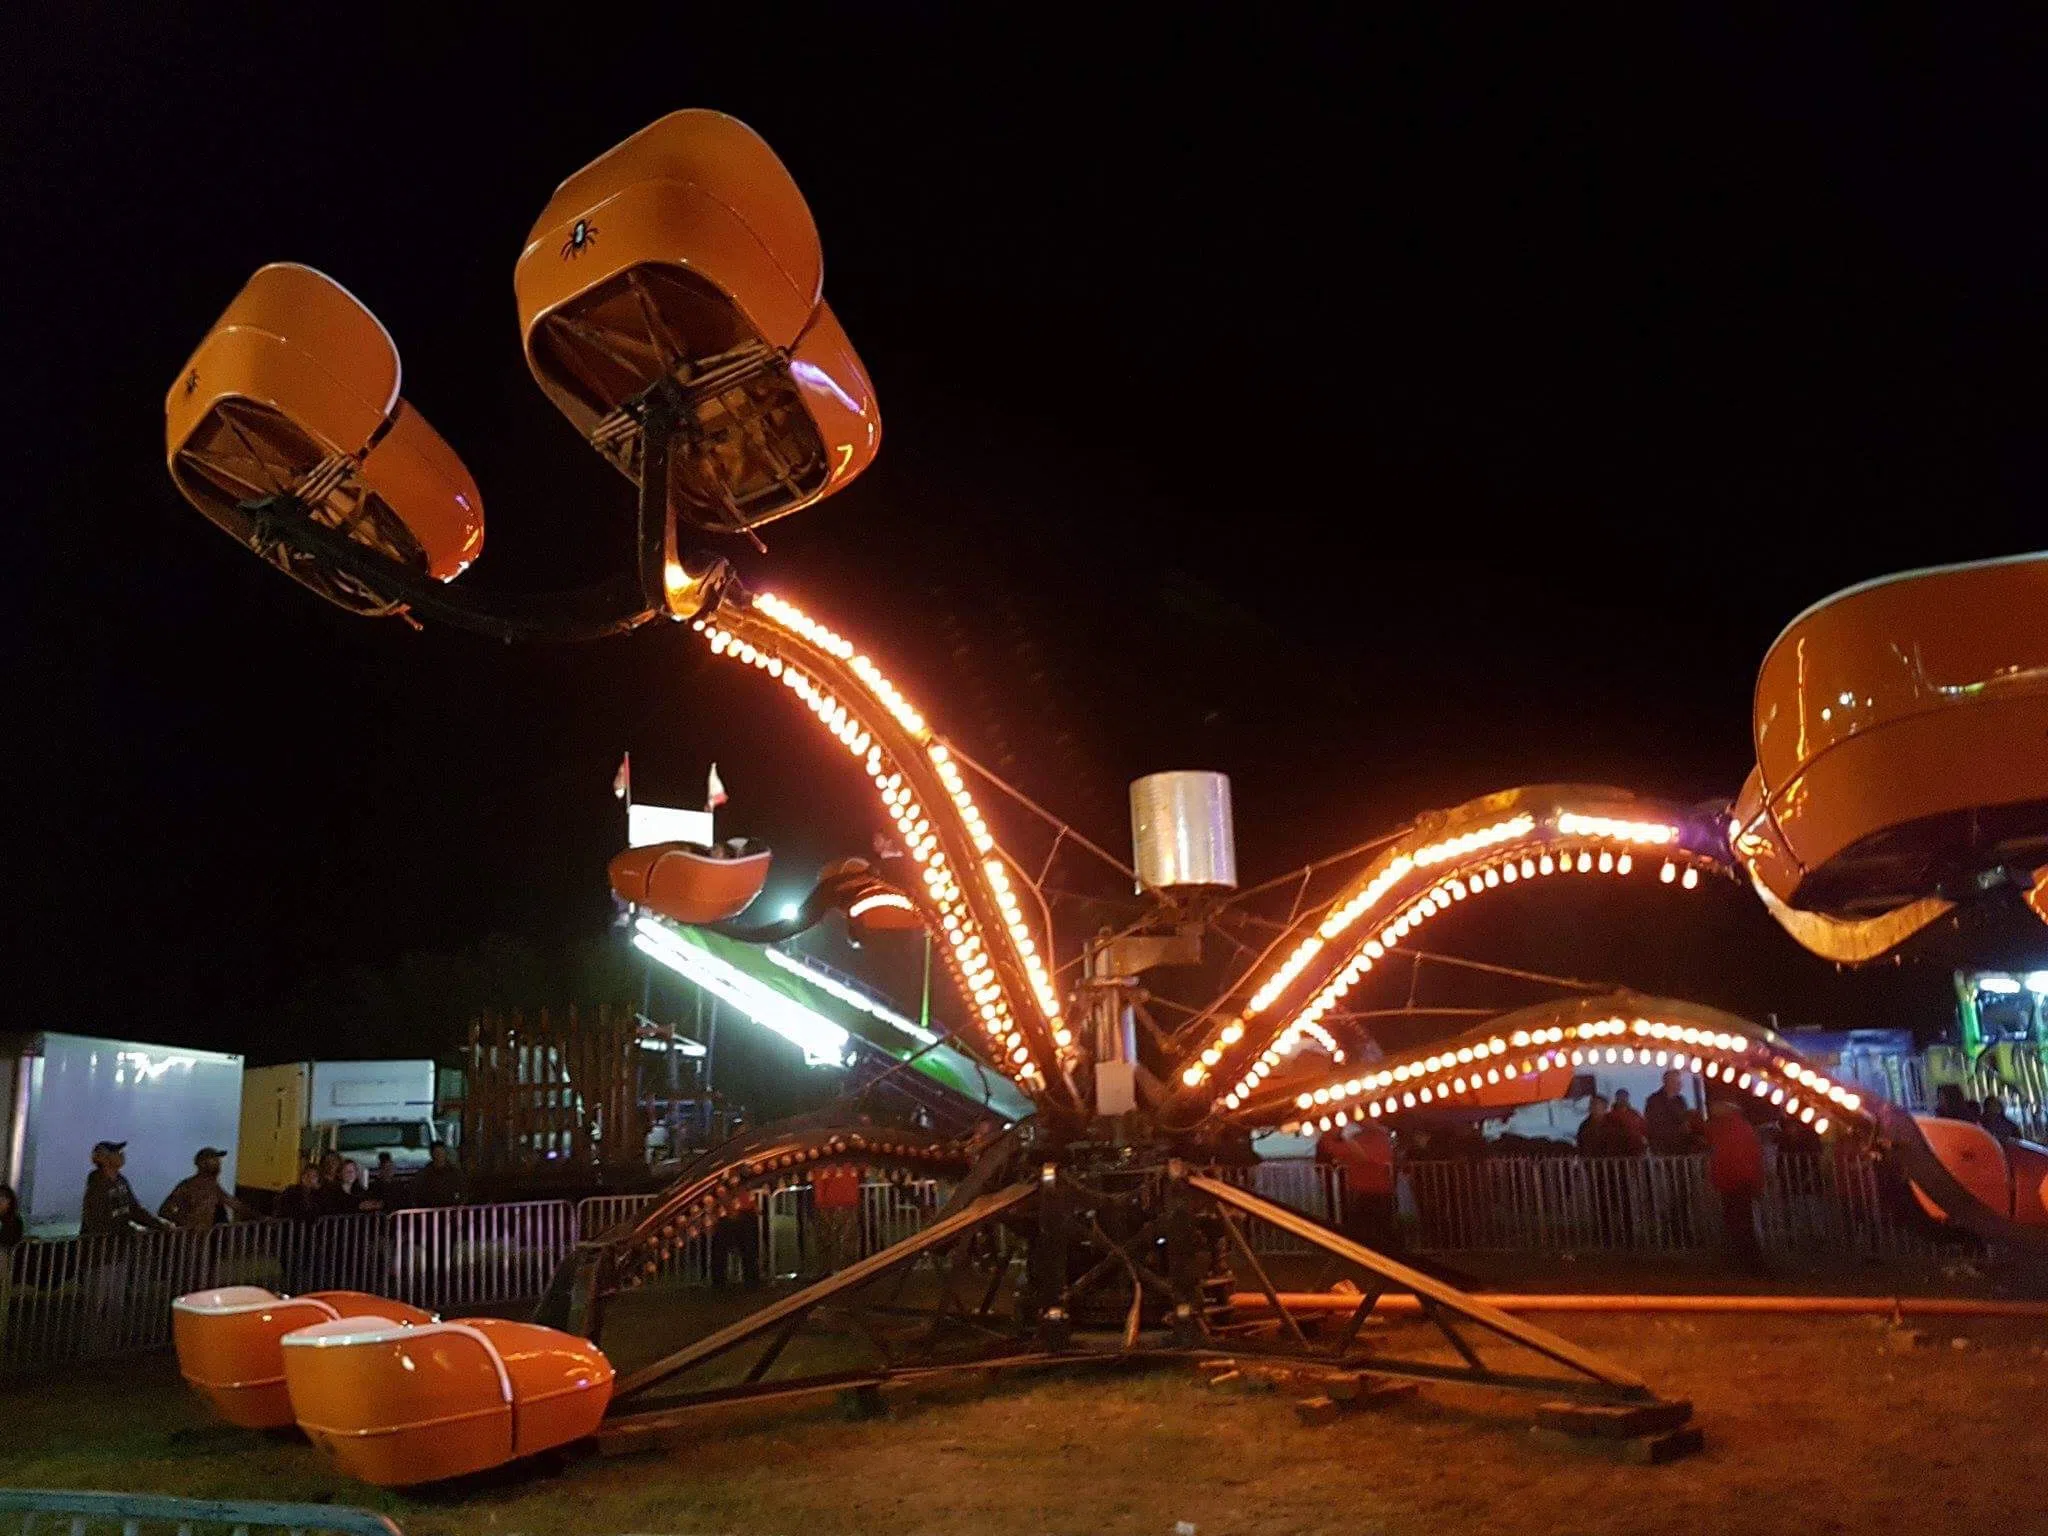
(796, 965)
(822, 1042)
(2002, 985)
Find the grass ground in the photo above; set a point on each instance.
(1814, 1425)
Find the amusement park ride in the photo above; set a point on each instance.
(671, 305)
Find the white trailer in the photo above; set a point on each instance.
(66, 1092)
(357, 1108)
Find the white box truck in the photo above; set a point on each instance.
(357, 1108)
(63, 1093)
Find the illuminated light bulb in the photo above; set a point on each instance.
(1851, 1102)
(1303, 1100)
(1321, 1095)
(1612, 1056)
(1493, 1074)
(1792, 1106)
(1696, 1063)
(1668, 873)
(1578, 1058)
(1425, 1095)
(1520, 1037)
(1528, 869)
(1192, 1076)
(1777, 1095)
(1545, 866)
(1211, 1056)
(1374, 1111)
(1492, 878)
(1623, 864)
(1230, 1101)
(1585, 863)
(1508, 1071)
(1409, 1099)
(1692, 878)
(1509, 873)
(1457, 1085)
(1606, 861)
(1820, 1127)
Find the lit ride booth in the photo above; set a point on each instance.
(398, 1406)
(230, 1343)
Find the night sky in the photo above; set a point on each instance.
(1379, 417)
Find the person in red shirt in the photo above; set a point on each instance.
(1364, 1158)
(1735, 1167)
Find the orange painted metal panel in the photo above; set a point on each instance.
(1887, 708)
(296, 388)
(1973, 1157)
(687, 886)
(228, 1346)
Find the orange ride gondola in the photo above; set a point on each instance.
(399, 1406)
(2011, 1177)
(230, 1343)
(685, 258)
(688, 883)
(296, 389)
(1898, 731)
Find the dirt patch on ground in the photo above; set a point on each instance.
(1813, 1425)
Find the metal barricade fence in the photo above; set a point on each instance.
(480, 1255)
(1312, 1188)
(66, 1512)
(1649, 1205)
(81, 1299)
(340, 1253)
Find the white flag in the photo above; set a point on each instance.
(714, 792)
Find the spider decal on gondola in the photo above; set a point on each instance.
(581, 238)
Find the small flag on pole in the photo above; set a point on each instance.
(622, 781)
(714, 791)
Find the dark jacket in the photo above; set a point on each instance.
(1605, 1137)
(111, 1209)
(436, 1186)
(1672, 1127)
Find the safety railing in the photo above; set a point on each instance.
(65, 1512)
(467, 1256)
(91, 1298)
(1651, 1205)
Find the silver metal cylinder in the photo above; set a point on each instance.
(1181, 833)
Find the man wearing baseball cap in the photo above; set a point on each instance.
(196, 1203)
(111, 1209)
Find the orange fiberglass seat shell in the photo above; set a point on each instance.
(685, 884)
(1898, 730)
(298, 377)
(397, 1406)
(230, 1344)
(687, 253)
(1973, 1158)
